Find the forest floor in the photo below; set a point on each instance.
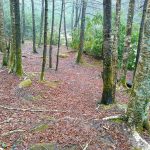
(62, 110)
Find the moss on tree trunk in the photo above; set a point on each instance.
(138, 108)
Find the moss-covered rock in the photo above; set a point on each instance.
(40, 128)
(25, 83)
(43, 146)
(63, 55)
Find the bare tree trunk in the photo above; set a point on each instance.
(23, 22)
(76, 14)
(2, 36)
(41, 24)
(115, 45)
(65, 30)
(138, 108)
(140, 36)
(33, 26)
(107, 96)
(52, 33)
(16, 59)
(127, 41)
(72, 17)
(45, 41)
(79, 57)
(62, 9)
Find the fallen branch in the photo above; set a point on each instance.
(112, 117)
(12, 132)
(30, 110)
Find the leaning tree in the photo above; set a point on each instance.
(138, 108)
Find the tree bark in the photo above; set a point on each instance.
(41, 24)
(140, 36)
(45, 41)
(107, 96)
(115, 45)
(52, 33)
(81, 46)
(62, 9)
(127, 44)
(65, 30)
(138, 108)
(23, 22)
(16, 55)
(2, 36)
(33, 27)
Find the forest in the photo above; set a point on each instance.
(74, 74)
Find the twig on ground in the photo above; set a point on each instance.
(112, 117)
(6, 121)
(87, 145)
(30, 109)
(12, 132)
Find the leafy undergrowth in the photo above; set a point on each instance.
(61, 110)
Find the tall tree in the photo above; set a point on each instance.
(107, 96)
(23, 21)
(138, 108)
(127, 44)
(76, 13)
(45, 40)
(115, 44)
(52, 33)
(140, 35)
(72, 17)
(33, 27)
(16, 56)
(82, 30)
(41, 24)
(2, 35)
(57, 59)
(65, 30)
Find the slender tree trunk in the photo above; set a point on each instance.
(115, 45)
(13, 46)
(76, 14)
(2, 35)
(65, 30)
(72, 17)
(16, 56)
(138, 108)
(33, 27)
(45, 41)
(107, 96)
(62, 9)
(127, 41)
(79, 57)
(52, 33)
(140, 36)
(23, 22)
(41, 24)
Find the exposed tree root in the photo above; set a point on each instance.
(139, 142)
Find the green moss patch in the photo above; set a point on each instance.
(43, 146)
(40, 128)
(25, 83)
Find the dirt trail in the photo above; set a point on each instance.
(69, 97)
